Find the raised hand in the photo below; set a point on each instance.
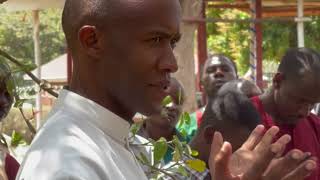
(259, 158)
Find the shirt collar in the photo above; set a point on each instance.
(88, 110)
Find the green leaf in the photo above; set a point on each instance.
(183, 133)
(194, 153)
(189, 150)
(134, 129)
(16, 139)
(187, 118)
(19, 103)
(166, 101)
(178, 144)
(176, 155)
(182, 171)
(28, 66)
(178, 169)
(178, 149)
(144, 158)
(160, 150)
(196, 164)
(31, 92)
(181, 121)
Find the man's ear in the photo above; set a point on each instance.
(208, 134)
(89, 40)
(277, 80)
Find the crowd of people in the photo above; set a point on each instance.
(123, 62)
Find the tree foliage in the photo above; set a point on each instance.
(16, 34)
(233, 39)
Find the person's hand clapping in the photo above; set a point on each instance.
(259, 158)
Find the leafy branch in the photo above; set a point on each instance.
(183, 155)
(42, 83)
(27, 120)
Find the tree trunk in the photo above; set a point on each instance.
(185, 53)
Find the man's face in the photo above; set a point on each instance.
(217, 71)
(139, 57)
(294, 101)
(170, 114)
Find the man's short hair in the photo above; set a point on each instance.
(243, 86)
(298, 60)
(220, 57)
(231, 106)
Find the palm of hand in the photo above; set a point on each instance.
(241, 161)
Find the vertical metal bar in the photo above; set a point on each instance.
(256, 43)
(300, 24)
(37, 55)
(253, 51)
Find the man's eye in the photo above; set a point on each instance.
(156, 39)
(225, 69)
(174, 43)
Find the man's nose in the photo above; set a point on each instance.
(218, 73)
(168, 62)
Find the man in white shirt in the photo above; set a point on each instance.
(123, 58)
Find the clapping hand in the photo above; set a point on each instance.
(259, 158)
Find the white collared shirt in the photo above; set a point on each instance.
(81, 141)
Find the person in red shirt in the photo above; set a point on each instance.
(288, 102)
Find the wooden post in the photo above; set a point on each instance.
(258, 28)
(202, 48)
(37, 55)
(184, 53)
